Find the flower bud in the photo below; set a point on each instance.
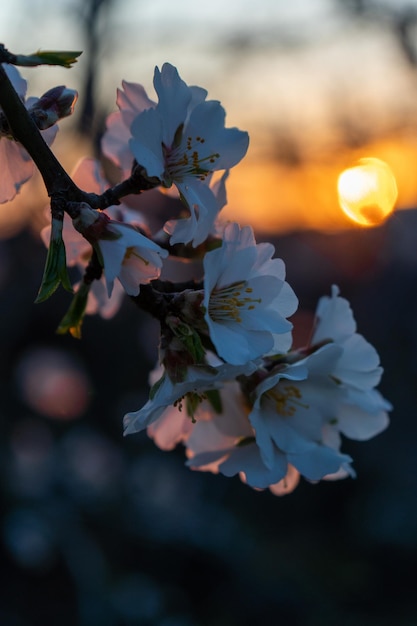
(90, 223)
(55, 104)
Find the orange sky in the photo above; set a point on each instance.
(265, 193)
(350, 75)
(274, 197)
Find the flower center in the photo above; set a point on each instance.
(286, 400)
(180, 163)
(227, 303)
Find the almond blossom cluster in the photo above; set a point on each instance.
(230, 386)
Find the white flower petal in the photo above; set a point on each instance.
(247, 459)
(145, 143)
(204, 209)
(16, 168)
(174, 97)
(318, 461)
(207, 121)
(335, 317)
(171, 428)
(357, 423)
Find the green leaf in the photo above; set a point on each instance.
(64, 58)
(55, 272)
(73, 319)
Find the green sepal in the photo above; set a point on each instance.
(99, 254)
(190, 340)
(193, 399)
(73, 318)
(192, 402)
(245, 441)
(177, 373)
(64, 58)
(178, 135)
(155, 387)
(55, 272)
(213, 396)
(194, 346)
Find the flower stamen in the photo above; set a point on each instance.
(180, 164)
(286, 400)
(227, 303)
(132, 251)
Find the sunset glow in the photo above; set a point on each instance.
(368, 192)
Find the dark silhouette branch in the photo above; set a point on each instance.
(56, 179)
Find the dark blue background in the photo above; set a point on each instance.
(106, 531)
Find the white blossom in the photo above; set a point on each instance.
(198, 380)
(225, 442)
(181, 140)
(363, 412)
(246, 298)
(302, 408)
(87, 175)
(290, 409)
(124, 252)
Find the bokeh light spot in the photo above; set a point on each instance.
(53, 383)
(367, 192)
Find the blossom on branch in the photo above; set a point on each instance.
(131, 100)
(362, 412)
(303, 413)
(220, 439)
(123, 251)
(55, 104)
(87, 175)
(224, 442)
(201, 223)
(291, 407)
(246, 298)
(230, 387)
(190, 392)
(181, 141)
(290, 423)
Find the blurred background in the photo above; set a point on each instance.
(101, 530)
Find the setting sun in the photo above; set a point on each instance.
(367, 192)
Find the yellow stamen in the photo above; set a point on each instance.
(226, 303)
(286, 400)
(180, 164)
(131, 251)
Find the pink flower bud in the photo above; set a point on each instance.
(55, 104)
(90, 223)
